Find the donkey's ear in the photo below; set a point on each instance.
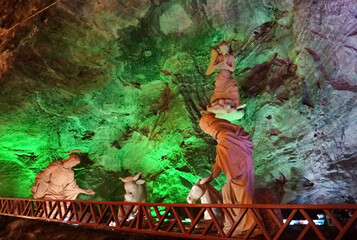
(207, 179)
(125, 179)
(140, 181)
(136, 177)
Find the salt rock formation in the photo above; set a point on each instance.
(124, 82)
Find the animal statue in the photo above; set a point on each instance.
(134, 192)
(208, 194)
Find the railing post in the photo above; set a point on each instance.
(19, 207)
(139, 220)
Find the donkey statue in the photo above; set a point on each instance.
(208, 194)
(134, 192)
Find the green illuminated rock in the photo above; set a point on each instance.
(124, 82)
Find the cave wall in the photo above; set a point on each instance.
(123, 80)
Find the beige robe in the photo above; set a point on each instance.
(56, 182)
(234, 158)
(225, 88)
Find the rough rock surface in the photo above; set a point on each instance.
(124, 81)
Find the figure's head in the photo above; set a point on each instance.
(224, 47)
(73, 159)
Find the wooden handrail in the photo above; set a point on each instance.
(178, 219)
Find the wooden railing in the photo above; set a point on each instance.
(186, 220)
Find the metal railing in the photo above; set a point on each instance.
(186, 220)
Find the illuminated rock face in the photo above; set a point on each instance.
(124, 82)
